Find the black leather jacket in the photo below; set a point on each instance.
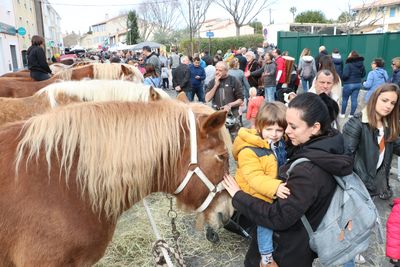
(361, 142)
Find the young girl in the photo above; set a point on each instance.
(164, 76)
(392, 234)
(259, 152)
(253, 106)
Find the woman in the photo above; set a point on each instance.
(252, 65)
(268, 73)
(311, 183)
(371, 137)
(239, 74)
(376, 77)
(151, 77)
(396, 71)
(353, 73)
(306, 69)
(37, 63)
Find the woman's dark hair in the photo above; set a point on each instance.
(37, 40)
(354, 54)
(379, 62)
(315, 108)
(150, 71)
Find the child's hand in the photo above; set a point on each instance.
(282, 192)
(230, 185)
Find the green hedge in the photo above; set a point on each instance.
(223, 44)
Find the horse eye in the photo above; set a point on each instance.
(222, 157)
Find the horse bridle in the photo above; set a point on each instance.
(214, 189)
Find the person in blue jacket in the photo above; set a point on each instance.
(376, 77)
(197, 76)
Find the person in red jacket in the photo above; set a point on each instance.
(254, 105)
(280, 73)
(393, 234)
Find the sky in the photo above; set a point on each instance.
(78, 15)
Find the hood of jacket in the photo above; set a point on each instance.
(307, 58)
(327, 152)
(381, 72)
(247, 137)
(336, 56)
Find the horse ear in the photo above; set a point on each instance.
(182, 97)
(125, 70)
(153, 94)
(213, 122)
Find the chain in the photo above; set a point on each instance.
(176, 251)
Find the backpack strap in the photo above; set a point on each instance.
(304, 219)
(259, 151)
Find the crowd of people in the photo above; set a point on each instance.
(294, 113)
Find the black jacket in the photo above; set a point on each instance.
(37, 59)
(311, 186)
(361, 143)
(181, 76)
(353, 71)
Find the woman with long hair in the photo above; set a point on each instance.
(37, 63)
(372, 137)
(306, 69)
(310, 183)
(151, 77)
(353, 73)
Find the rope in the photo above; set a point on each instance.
(160, 245)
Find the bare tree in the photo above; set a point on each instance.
(293, 10)
(194, 14)
(243, 11)
(362, 16)
(146, 25)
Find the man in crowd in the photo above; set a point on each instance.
(198, 75)
(152, 58)
(226, 93)
(280, 74)
(323, 84)
(181, 78)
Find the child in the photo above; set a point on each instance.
(392, 234)
(164, 76)
(259, 152)
(253, 106)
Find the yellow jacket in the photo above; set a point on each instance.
(257, 176)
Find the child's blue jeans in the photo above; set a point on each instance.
(264, 238)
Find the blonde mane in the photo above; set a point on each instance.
(100, 91)
(64, 74)
(121, 147)
(113, 71)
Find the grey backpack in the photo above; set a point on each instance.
(307, 70)
(345, 230)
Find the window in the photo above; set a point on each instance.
(392, 12)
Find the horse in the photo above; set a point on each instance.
(58, 67)
(21, 73)
(9, 87)
(56, 94)
(78, 167)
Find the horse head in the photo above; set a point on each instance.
(205, 160)
(131, 73)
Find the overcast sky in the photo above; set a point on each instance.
(78, 15)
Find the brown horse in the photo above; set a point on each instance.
(11, 87)
(21, 73)
(80, 166)
(58, 94)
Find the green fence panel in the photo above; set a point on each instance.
(370, 46)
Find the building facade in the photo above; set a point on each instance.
(10, 59)
(378, 16)
(52, 29)
(25, 19)
(223, 28)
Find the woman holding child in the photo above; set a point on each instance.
(310, 186)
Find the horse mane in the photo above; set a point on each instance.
(64, 74)
(121, 147)
(100, 91)
(138, 75)
(107, 71)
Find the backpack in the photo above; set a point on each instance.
(307, 70)
(345, 230)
